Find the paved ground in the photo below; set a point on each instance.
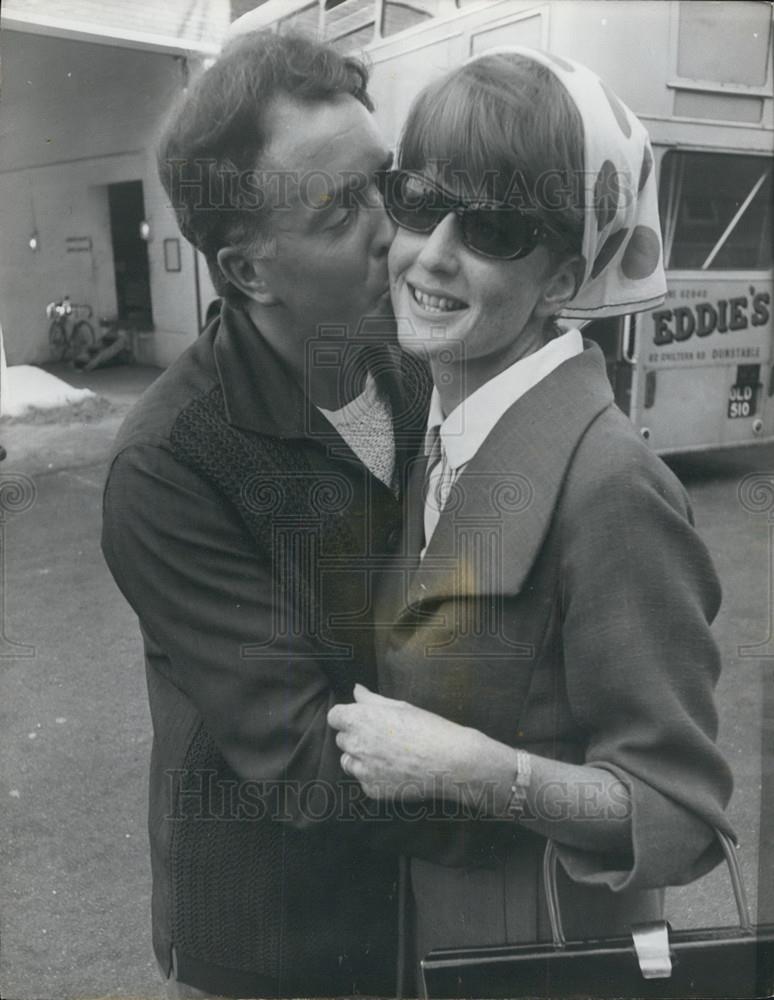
(74, 740)
(741, 547)
(74, 727)
(45, 447)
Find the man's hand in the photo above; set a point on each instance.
(398, 751)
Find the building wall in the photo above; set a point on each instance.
(75, 117)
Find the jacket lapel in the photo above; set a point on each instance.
(502, 504)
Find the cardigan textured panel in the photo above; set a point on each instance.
(563, 605)
(241, 529)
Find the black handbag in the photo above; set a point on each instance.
(652, 961)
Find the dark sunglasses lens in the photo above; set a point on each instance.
(498, 232)
(492, 230)
(413, 203)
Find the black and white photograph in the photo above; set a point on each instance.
(386, 499)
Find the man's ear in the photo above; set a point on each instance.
(560, 286)
(250, 275)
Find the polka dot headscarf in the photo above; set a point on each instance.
(622, 237)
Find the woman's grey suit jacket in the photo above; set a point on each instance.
(563, 605)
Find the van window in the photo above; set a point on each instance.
(398, 16)
(716, 211)
(349, 23)
(723, 42)
(306, 19)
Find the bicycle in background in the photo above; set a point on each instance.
(69, 337)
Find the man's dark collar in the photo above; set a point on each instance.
(264, 396)
(260, 392)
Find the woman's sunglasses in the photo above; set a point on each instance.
(489, 228)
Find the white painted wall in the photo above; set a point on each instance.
(3, 373)
(75, 117)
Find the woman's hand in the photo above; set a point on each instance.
(398, 751)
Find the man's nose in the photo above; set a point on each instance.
(439, 252)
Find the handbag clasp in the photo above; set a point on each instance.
(651, 942)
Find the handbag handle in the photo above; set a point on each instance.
(552, 893)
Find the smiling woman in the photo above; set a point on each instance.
(549, 657)
(482, 180)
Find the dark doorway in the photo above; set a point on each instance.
(130, 255)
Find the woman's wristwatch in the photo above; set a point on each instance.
(519, 785)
